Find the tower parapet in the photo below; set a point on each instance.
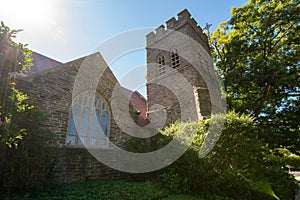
(184, 19)
(178, 64)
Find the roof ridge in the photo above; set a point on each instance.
(55, 67)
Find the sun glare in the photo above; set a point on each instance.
(28, 13)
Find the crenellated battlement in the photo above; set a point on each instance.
(184, 17)
(178, 64)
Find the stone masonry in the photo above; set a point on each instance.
(180, 90)
(51, 91)
(195, 62)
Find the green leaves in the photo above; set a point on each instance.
(11, 130)
(10, 133)
(15, 58)
(257, 53)
(262, 186)
(240, 166)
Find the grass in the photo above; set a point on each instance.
(104, 190)
(182, 197)
(101, 189)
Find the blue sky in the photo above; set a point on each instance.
(69, 29)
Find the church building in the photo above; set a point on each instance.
(80, 110)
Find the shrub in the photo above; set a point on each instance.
(28, 167)
(175, 183)
(240, 166)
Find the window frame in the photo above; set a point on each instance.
(85, 101)
(175, 59)
(161, 64)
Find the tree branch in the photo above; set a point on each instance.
(263, 100)
(219, 53)
(283, 34)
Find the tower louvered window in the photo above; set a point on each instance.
(175, 59)
(161, 65)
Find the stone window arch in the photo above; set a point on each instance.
(175, 61)
(89, 121)
(161, 68)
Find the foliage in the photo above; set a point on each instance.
(189, 197)
(15, 58)
(29, 166)
(107, 190)
(26, 166)
(184, 197)
(240, 166)
(175, 183)
(99, 189)
(10, 131)
(257, 53)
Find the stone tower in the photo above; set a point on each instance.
(178, 57)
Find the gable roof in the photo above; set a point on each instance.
(41, 63)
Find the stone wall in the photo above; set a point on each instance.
(184, 84)
(182, 92)
(77, 164)
(51, 91)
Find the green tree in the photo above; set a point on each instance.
(27, 167)
(15, 58)
(257, 53)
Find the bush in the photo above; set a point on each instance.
(175, 183)
(28, 167)
(239, 167)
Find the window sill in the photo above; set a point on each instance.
(74, 146)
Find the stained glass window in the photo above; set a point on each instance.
(88, 121)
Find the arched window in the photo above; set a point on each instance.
(104, 126)
(175, 58)
(89, 121)
(161, 65)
